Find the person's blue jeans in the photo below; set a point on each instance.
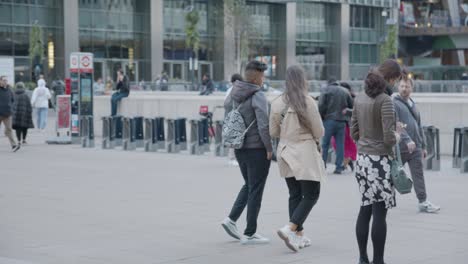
(116, 97)
(335, 129)
(42, 117)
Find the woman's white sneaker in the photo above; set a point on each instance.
(304, 242)
(231, 228)
(255, 239)
(289, 237)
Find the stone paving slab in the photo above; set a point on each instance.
(65, 204)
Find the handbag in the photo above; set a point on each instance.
(403, 184)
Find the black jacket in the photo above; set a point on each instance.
(22, 110)
(333, 100)
(123, 86)
(6, 101)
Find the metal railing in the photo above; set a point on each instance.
(420, 86)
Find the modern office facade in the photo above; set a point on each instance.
(330, 38)
(434, 38)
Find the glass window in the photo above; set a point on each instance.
(5, 11)
(113, 45)
(85, 41)
(6, 44)
(21, 14)
(21, 41)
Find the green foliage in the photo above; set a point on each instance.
(390, 47)
(36, 43)
(192, 40)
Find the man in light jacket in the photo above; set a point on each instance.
(413, 142)
(255, 155)
(6, 103)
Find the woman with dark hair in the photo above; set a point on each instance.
(391, 71)
(22, 113)
(373, 128)
(296, 121)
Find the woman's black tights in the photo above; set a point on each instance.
(378, 212)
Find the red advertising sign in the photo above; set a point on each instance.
(63, 112)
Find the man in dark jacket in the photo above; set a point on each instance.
(333, 100)
(6, 103)
(413, 142)
(123, 90)
(255, 155)
(207, 85)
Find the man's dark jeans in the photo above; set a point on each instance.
(254, 167)
(116, 97)
(335, 129)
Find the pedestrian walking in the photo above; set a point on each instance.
(254, 155)
(373, 127)
(7, 99)
(333, 99)
(350, 148)
(22, 113)
(296, 121)
(40, 101)
(232, 158)
(413, 142)
(123, 90)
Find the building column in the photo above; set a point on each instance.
(71, 32)
(344, 45)
(157, 37)
(291, 9)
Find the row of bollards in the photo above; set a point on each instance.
(460, 149)
(159, 134)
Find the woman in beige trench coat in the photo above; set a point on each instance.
(296, 121)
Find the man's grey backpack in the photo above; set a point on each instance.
(234, 128)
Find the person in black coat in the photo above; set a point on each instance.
(22, 113)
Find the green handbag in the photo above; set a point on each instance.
(403, 184)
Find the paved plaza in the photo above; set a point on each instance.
(67, 205)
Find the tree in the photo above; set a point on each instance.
(36, 44)
(389, 48)
(192, 40)
(239, 22)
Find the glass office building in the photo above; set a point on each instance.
(329, 38)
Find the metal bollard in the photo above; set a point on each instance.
(457, 147)
(432, 160)
(161, 135)
(172, 141)
(87, 131)
(139, 138)
(181, 133)
(194, 138)
(150, 135)
(117, 133)
(128, 134)
(464, 150)
(204, 135)
(107, 133)
(220, 150)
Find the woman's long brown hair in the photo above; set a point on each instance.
(296, 92)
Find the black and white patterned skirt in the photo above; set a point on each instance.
(375, 183)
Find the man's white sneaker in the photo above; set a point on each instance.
(231, 228)
(290, 238)
(255, 239)
(428, 207)
(304, 242)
